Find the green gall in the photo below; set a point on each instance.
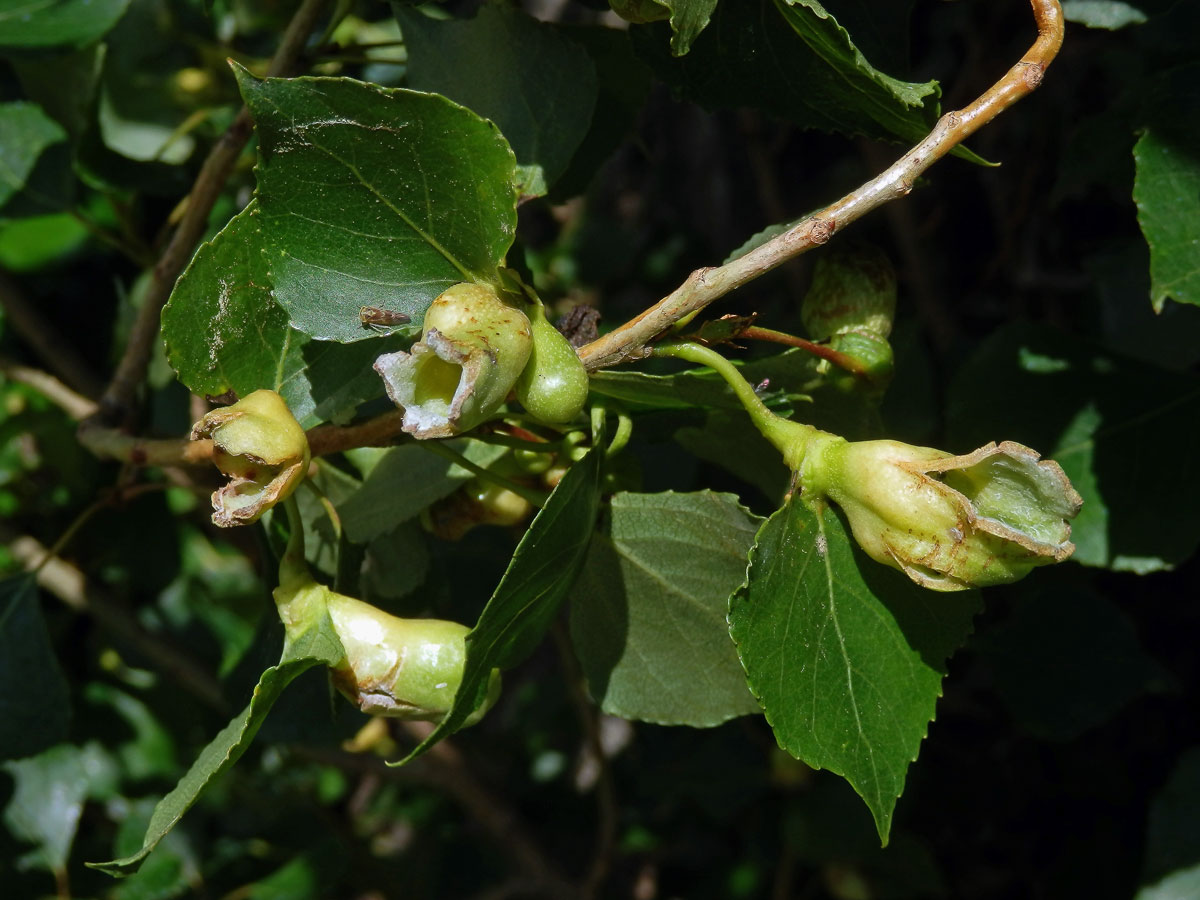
(476, 503)
(400, 668)
(259, 444)
(872, 359)
(948, 522)
(554, 384)
(853, 289)
(473, 346)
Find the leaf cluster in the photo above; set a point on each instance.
(709, 690)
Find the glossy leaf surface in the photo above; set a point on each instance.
(846, 656)
(542, 571)
(530, 79)
(373, 196)
(648, 613)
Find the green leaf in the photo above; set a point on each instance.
(25, 134)
(1113, 424)
(537, 580)
(319, 644)
(789, 374)
(810, 73)
(880, 30)
(64, 84)
(150, 753)
(47, 800)
(1181, 885)
(221, 328)
(35, 702)
(1109, 14)
(395, 564)
(623, 83)
(1171, 833)
(648, 612)
(1166, 189)
(790, 383)
(223, 331)
(846, 656)
(403, 482)
(526, 76)
(28, 245)
(376, 197)
(26, 25)
(687, 18)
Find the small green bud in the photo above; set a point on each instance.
(473, 346)
(948, 522)
(873, 356)
(476, 503)
(853, 289)
(259, 444)
(401, 668)
(554, 384)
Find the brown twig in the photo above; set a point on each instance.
(74, 405)
(380, 431)
(112, 443)
(117, 401)
(706, 285)
(58, 577)
(41, 334)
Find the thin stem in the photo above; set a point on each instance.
(293, 567)
(331, 513)
(537, 498)
(790, 438)
(839, 359)
(621, 436)
(117, 402)
(706, 285)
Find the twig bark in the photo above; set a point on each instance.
(706, 285)
(112, 443)
(74, 405)
(118, 400)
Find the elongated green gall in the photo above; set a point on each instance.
(853, 289)
(401, 668)
(394, 667)
(473, 346)
(948, 522)
(259, 444)
(554, 384)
